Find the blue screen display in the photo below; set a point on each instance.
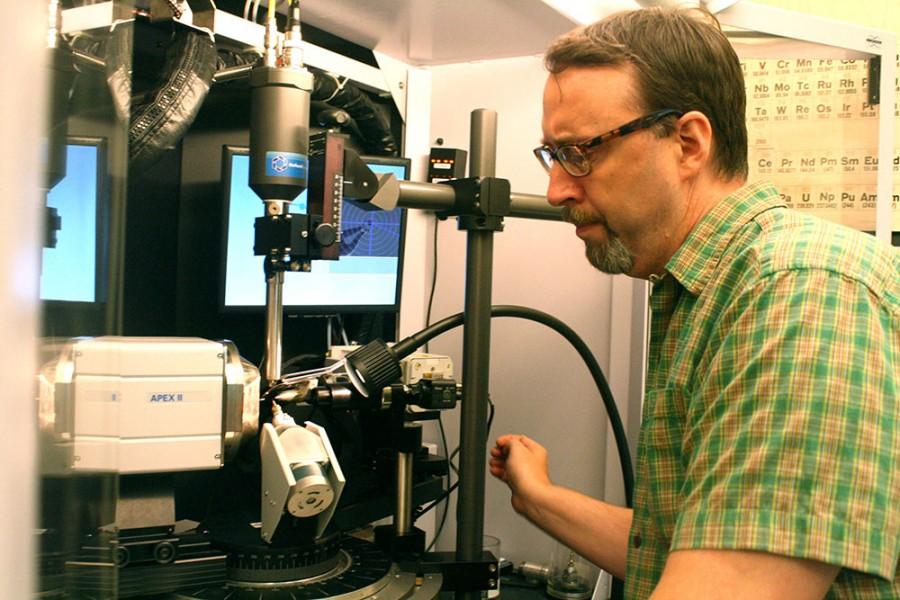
(365, 275)
(69, 271)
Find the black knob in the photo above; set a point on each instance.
(372, 367)
(325, 234)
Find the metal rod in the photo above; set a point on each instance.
(533, 206)
(437, 197)
(426, 196)
(231, 73)
(84, 58)
(476, 358)
(274, 288)
(403, 513)
(475, 372)
(483, 143)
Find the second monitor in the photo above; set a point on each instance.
(367, 276)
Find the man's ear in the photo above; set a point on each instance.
(693, 134)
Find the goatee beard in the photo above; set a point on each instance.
(610, 257)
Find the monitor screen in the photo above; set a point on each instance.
(366, 278)
(69, 271)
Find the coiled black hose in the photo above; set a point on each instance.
(373, 125)
(408, 345)
(162, 119)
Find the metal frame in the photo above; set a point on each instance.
(864, 42)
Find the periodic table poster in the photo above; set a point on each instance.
(813, 133)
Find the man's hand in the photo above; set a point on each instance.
(596, 530)
(521, 463)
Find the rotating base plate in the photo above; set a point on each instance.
(360, 571)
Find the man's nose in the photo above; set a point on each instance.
(563, 188)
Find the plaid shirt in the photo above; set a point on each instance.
(771, 419)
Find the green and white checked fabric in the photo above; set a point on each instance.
(772, 420)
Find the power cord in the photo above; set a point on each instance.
(409, 344)
(445, 497)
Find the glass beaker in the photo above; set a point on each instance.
(571, 576)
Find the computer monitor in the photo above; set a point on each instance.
(70, 272)
(365, 278)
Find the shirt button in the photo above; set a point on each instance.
(636, 540)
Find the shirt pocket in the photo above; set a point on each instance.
(665, 457)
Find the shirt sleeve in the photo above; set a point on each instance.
(791, 438)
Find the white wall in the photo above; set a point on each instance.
(537, 382)
(20, 202)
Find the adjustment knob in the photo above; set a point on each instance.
(325, 234)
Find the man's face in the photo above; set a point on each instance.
(623, 208)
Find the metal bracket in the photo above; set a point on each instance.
(874, 80)
(462, 576)
(481, 202)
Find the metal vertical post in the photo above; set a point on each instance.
(483, 143)
(274, 290)
(403, 505)
(476, 357)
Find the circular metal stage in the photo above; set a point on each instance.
(344, 569)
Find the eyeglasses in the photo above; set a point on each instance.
(573, 158)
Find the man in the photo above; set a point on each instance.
(768, 453)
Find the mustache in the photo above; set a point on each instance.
(580, 217)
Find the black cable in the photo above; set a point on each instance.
(440, 528)
(434, 269)
(446, 495)
(453, 456)
(409, 344)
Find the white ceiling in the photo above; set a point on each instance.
(431, 32)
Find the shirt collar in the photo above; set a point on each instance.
(693, 263)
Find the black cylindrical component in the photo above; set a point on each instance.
(279, 132)
(372, 367)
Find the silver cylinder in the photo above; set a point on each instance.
(483, 143)
(240, 421)
(426, 196)
(403, 514)
(274, 288)
(532, 206)
(476, 357)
